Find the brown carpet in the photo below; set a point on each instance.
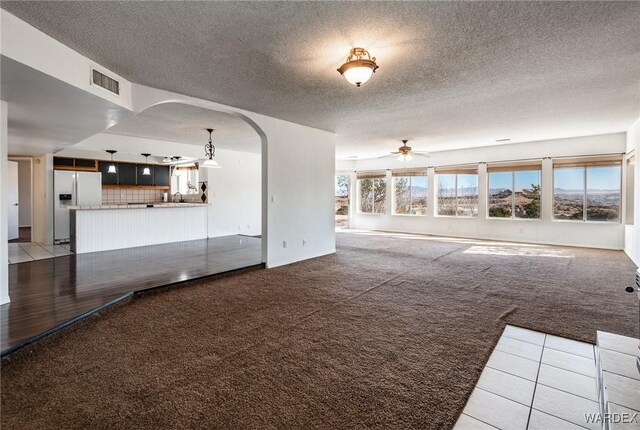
(387, 333)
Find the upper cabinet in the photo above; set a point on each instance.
(126, 174)
(145, 179)
(107, 178)
(161, 176)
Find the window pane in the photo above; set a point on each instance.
(500, 194)
(527, 194)
(446, 194)
(342, 201)
(603, 193)
(379, 195)
(401, 185)
(366, 195)
(568, 189)
(467, 195)
(419, 195)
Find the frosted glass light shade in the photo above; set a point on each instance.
(112, 168)
(146, 171)
(211, 163)
(358, 75)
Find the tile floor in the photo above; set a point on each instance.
(534, 381)
(21, 252)
(620, 377)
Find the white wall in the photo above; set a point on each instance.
(632, 231)
(298, 166)
(28, 45)
(4, 221)
(546, 230)
(235, 194)
(42, 228)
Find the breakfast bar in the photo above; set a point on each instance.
(108, 227)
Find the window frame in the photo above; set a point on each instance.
(585, 168)
(456, 172)
(393, 198)
(373, 196)
(513, 195)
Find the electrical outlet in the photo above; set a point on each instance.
(284, 243)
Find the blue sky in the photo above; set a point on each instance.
(598, 178)
(524, 179)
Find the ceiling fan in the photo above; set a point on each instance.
(405, 153)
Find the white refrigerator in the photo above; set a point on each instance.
(73, 189)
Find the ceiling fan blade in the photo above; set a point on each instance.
(422, 154)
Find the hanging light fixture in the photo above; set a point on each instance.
(210, 152)
(146, 171)
(359, 67)
(112, 167)
(405, 152)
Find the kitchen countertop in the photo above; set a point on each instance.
(137, 206)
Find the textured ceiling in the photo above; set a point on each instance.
(177, 122)
(452, 74)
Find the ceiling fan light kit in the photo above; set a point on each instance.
(359, 67)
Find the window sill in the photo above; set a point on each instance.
(514, 219)
(457, 217)
(410, 215)
(579, 221)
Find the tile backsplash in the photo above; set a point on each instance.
(127, 195)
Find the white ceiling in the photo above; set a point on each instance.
(452, 74)
(181, 123)
(46, 115)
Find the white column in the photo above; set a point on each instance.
(483, 191)
(4, 219)
(432, 192)
(547, 190)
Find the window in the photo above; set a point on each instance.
(184, 180)
(342, 201)
(514, 191)
(410, 192)
(372, 189)
(457, 192)
(587, 190)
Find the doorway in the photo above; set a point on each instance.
(342, 201)
(20, 178)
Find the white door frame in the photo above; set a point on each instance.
(30, 160)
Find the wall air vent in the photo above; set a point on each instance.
(102, 80)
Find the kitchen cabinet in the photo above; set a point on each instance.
(107, 178)
(161, 176)
(144, 179)
(126, 174)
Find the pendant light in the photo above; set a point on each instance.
(210, 152)
(112, 166)
(146, 171)
(359, 67)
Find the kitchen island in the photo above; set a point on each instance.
(107, 227)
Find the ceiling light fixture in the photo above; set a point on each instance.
(359, 67)
(112, 166)
(210, 152)
(146, 171)
(405, 152)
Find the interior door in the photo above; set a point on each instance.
(12, 183)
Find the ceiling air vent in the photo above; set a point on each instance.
(105, 82)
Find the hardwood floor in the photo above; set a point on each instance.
(48, 293)
(24, 235)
